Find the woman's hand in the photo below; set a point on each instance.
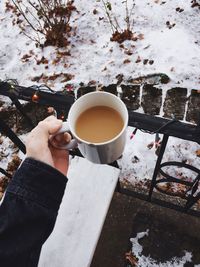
(39, 148)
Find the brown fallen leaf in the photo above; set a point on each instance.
(172, 69)
(197, 152)
(43, 60)
(56, 61)
(131, 259)
(138, 59)
(26, 58)
(150, 145)
(140, 36)
(14, 164)
(126, 61)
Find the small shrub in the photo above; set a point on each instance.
(120, 33)
(47, 22)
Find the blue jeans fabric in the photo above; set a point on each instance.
(28, 212)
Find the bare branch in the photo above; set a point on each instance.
(131, 15)
(23, 14)
(113, 27)
(36, 40)
(127, 19)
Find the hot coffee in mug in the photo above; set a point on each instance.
(97, 122)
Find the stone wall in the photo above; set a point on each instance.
(176, 102)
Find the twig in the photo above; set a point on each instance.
(24, 16)
(127, 19)
(113, 28)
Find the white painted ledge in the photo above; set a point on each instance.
(81, 216)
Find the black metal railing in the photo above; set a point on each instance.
(144, 122)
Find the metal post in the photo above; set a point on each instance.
(5, 173)
(13, 137)
(20, 108)
(191, 199)
(158, 162)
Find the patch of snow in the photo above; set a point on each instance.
(7, 150)
(140, 168)
(144, 261)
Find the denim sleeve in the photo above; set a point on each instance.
(28, 212)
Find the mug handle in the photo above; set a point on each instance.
(65, 128)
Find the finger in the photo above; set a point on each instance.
(62, 139)
(67, 137)
(59, 137)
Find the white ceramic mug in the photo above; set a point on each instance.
(103, 153)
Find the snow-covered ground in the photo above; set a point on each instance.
(175, 50)
(138, 160)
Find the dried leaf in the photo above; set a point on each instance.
(126, 61)
(150, 145)
(56, 60)
(43, 60)
(131, 258)
(197, 152)
(14, 164)
(92, 82)
(138, 59)
(140, 36)
(26, 58)
(172, 69)
(64, 53)
(128, 52)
